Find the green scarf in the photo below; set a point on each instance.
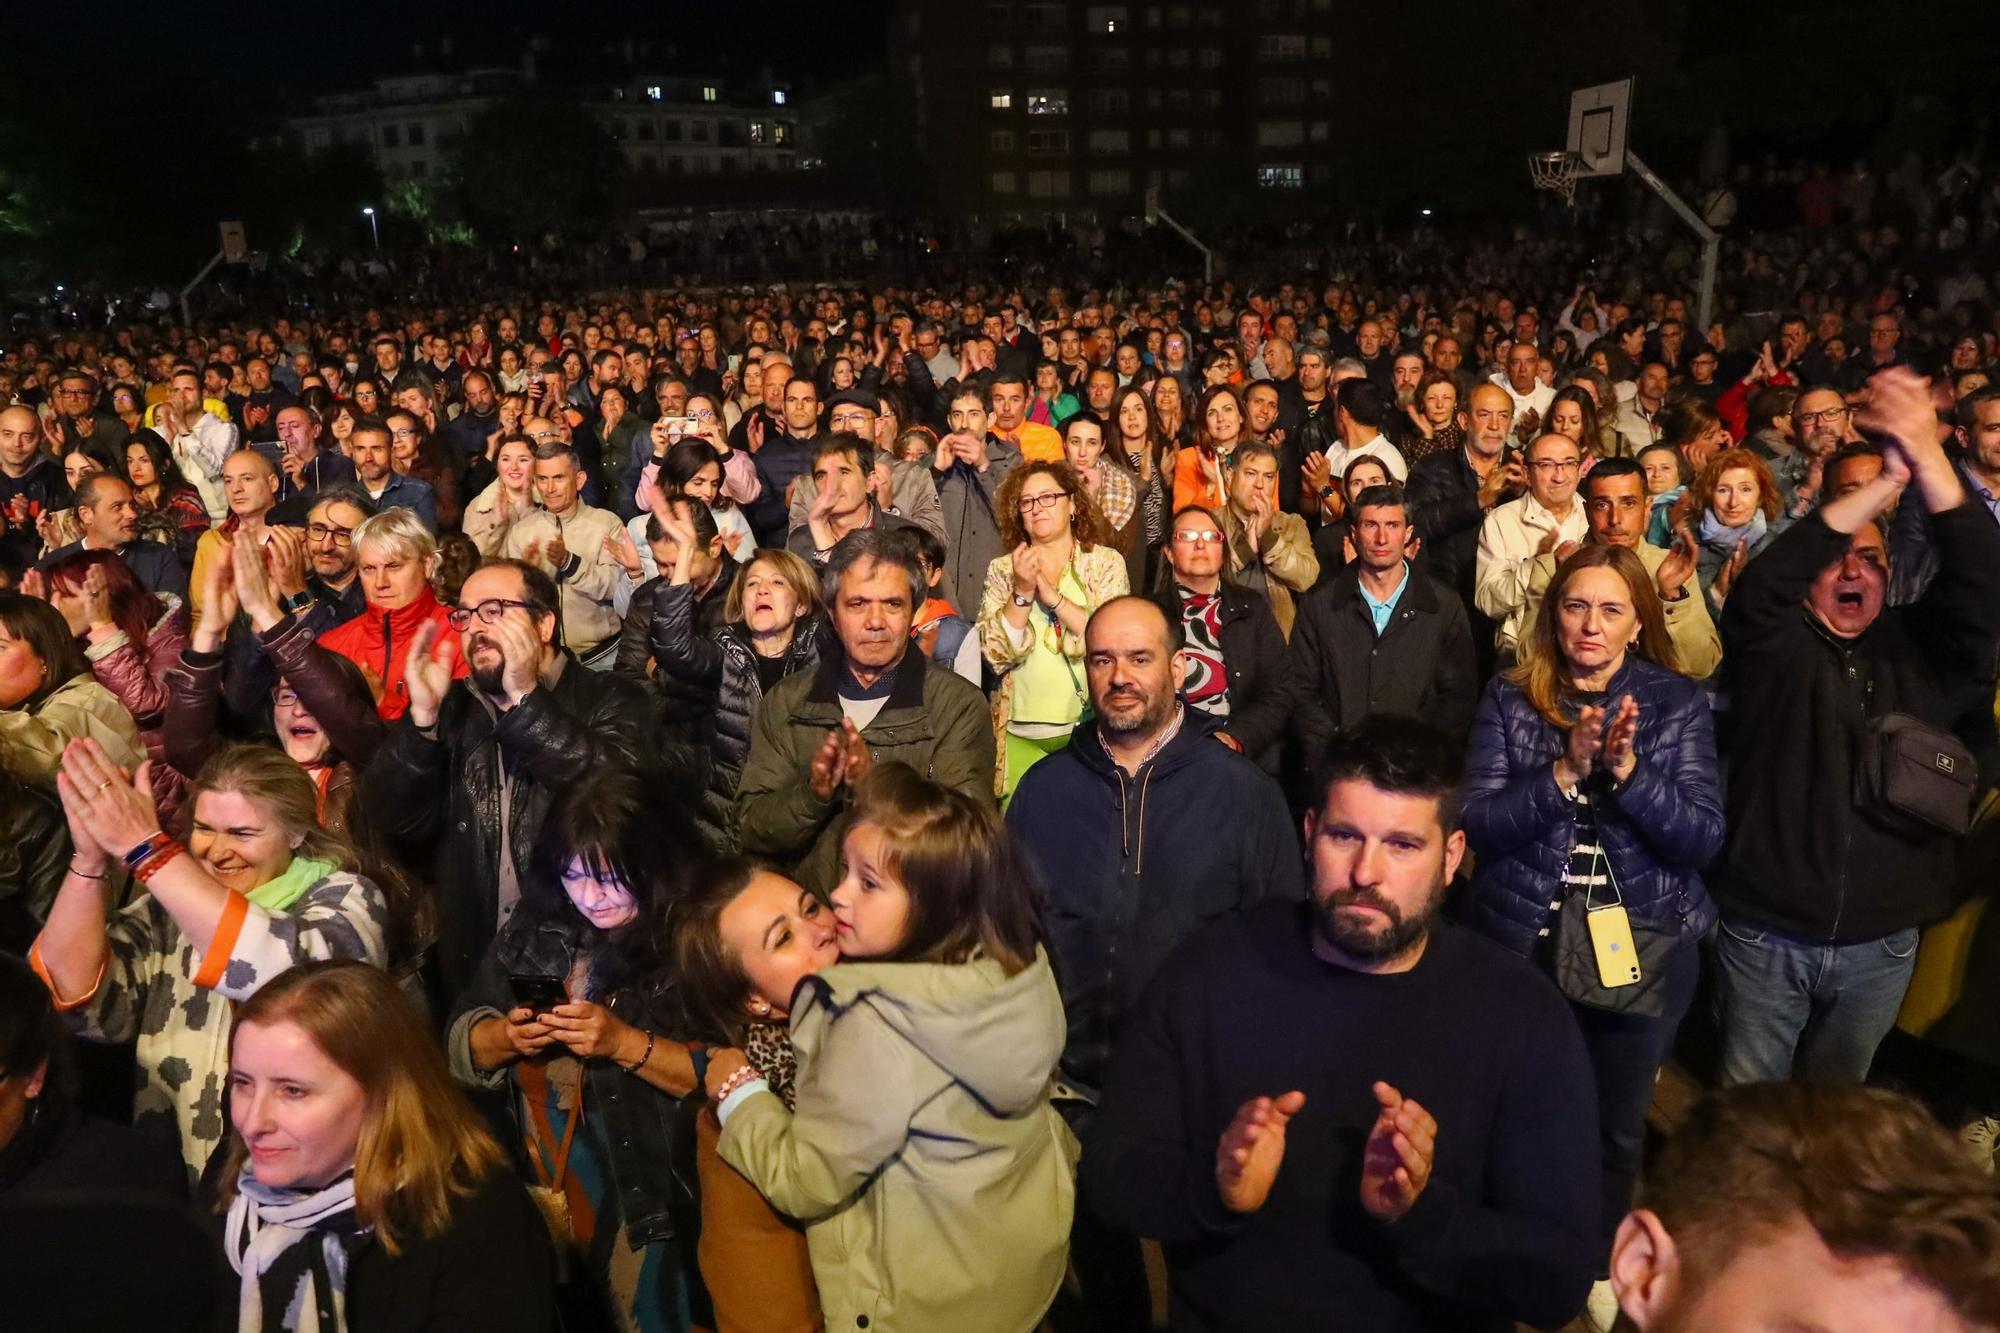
(278, 894)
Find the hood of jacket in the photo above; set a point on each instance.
(999, 1036)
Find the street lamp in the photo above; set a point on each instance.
(373, 229)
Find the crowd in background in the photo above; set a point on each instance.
(867, 802)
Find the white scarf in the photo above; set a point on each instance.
(265, 1224)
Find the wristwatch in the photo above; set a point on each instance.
(298, 601)
(1023, 602)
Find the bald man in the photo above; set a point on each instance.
(250, 487)
(31, 482)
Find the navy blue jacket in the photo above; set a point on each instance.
(153, 564)
(1658, 828)
(1130, 866)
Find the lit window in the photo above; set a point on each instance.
(777, 97)
(1281, 176)
(708, 92)
(1048, 101)
(1001, 99)
(652, 92)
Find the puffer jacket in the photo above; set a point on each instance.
(935, 1179)
(661, 626)
(1658, 828)
(379, 641)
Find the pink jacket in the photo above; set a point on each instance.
(739, 481)
(135, 678)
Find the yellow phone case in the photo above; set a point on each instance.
(1611, 936)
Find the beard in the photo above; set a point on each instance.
(1148, 721)
(485, 676)
(1373, 944)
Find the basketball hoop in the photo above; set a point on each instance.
(1555, 171)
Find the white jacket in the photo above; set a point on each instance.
(201, 451)
(1508, 542)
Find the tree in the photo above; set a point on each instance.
(532, 165)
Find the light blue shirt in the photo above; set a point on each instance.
(1381, 610)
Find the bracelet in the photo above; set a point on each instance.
(747, 1074)
(152, 843)
(83, 874)
(640, 1063)
(153, 865)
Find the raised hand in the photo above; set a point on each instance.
(1725, 577)
(1618, 754)
(1251, 1150)
(1027, 570)
(858, 757)
(427, 672)
(285, 559)
(829, 764)
(1677, 568)
(114, 811)
(1581, 749)
(1396, 1163)
(253, 582)
(624, 554)
(520, 652)
(218, 601)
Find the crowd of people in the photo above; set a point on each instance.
(855, 809)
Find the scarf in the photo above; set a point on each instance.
(768, 1046)
(290, 1248)
(278, 894)
(1714, 532)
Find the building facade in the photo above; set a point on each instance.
(666, 124)
(1030, 108)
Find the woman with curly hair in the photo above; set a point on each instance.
(1031, 616)
(1736, 505)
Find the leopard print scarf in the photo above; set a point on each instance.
(769, 1047)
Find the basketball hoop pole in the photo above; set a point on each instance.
(1711, 242)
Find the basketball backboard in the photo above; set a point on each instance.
(1598, 119)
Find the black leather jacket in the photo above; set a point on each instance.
(435, 798)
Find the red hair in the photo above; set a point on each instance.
(134, 609)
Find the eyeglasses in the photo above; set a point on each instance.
(1033, 503)
(320, 532)
(1830, 415)
(284, 696)
(1198, 536)
(489, 611)
(1556, 464)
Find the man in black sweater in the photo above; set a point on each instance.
(1350, 1113)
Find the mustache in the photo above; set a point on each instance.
(1340, 898)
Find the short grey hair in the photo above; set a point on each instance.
(875, 545)
(398, 529)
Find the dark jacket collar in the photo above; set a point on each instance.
(907, 692)
(1189, 746)
(1418, 593)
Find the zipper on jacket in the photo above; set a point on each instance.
(388, 645)
(1847, 825)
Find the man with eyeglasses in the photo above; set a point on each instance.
(910, 493)
(78, 419)
(1547, 520)
(1616, 506)
(928, 344)
(465, 779)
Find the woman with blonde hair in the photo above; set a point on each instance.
(361, 1190)
(259, 887)
(1033, 609)
(920, 1149)
(1592, 782)
(395, 557)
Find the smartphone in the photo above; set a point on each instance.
(679, 426)
(538, 992)
(735, 361)
(1611, 940)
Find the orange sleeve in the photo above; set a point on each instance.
(215, 958)
(41, 970)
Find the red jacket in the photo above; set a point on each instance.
(379, 642)
(1733, 406)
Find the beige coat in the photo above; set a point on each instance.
(935, 1179)
(1284, 569)
(1507, 542)
(587, 580)
(32, 740)
(488, 518)
(1689, 625)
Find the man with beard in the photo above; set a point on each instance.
(1785, 1205)
(465, 779)
(1441, 1102)
(1127, 879)
(871, 701)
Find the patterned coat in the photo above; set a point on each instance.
(177, 1001)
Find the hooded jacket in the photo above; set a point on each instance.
(935, 1179)
(379, 643)
(1131, 865)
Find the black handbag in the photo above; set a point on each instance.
(1916, 777)
(1576, 958)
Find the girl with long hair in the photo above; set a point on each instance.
(924, 1073)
